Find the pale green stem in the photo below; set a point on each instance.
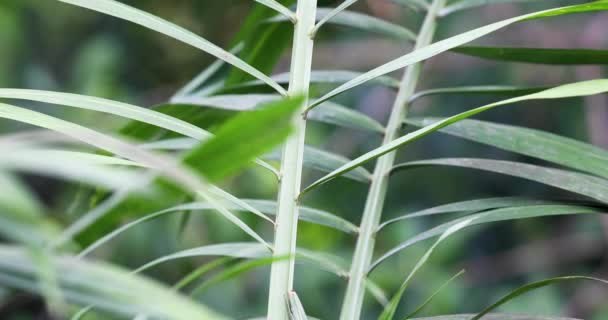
(281, 275)
(353, 300)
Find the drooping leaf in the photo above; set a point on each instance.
(579, 183)
(467, 206)
(534, 143)
(329, 112)
(538, 55)
(268, 207)
(125, 12)
(503, 214)
(578, 89)
(456, 41)
(278, 7)
(531, 287)
(105, 286)
(165, 165)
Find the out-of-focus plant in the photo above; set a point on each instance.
(166, 155)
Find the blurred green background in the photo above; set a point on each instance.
(49, 45)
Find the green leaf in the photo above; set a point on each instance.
(468, 4)
(430, 299)
(579, 183)
(325, 161)
(530, 287)
(496, 316)
(266, 206)
(331, 14)
(314, 158)
(503, 214)
(578, 89)
(108, 106)
(467, 206)
(329, 112)
(125, 12)
(475, 90)
(534, 143)
(553, 56)
(167, 166)
(243, 138)
(389, 311)
(105, 286)
(456, 41)
(296, 310)
(362, 22)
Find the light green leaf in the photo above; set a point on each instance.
(534, 143)
(553, 56)
(361, 21)
(329, 112)
(243, 138)
(467, 206)
(167, 166)
(331, 14)
(107, 287)
(266, 206)
(531, 287)
(125, 12)
(503, 214)
(579, 183)
(453, 42)
(578, 89)
(389, 311)
(474, 90)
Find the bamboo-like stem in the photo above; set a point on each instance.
(353, 300)
(281, 275)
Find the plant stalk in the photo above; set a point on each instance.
(353, 300)
(281, 275)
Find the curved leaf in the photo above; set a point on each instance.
(578, 89)
(534, 143)
(279, 8)
(266, 206)
(530, 287)
(586, 185)
(331, 14)
(503, 214)
(363, 22)
(494, 90)
(144, 19)
(453, 42)
(496, 316)
(435, 293)
(329, 112)
(553, 56)
(389, 311)
(469, 4)
(106, 286)
(467, 206)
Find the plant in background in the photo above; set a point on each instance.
(166, 155)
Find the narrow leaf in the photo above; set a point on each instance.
(296, 310)
(279, 8)
(430, 299)
(534, 143)
(531, 287)
(456, 41)
(579, 183)
(503, 214)
(578, 89)
(476, 90)
(467, 206)
(553, 56)
(469, 4)
(125, 12)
